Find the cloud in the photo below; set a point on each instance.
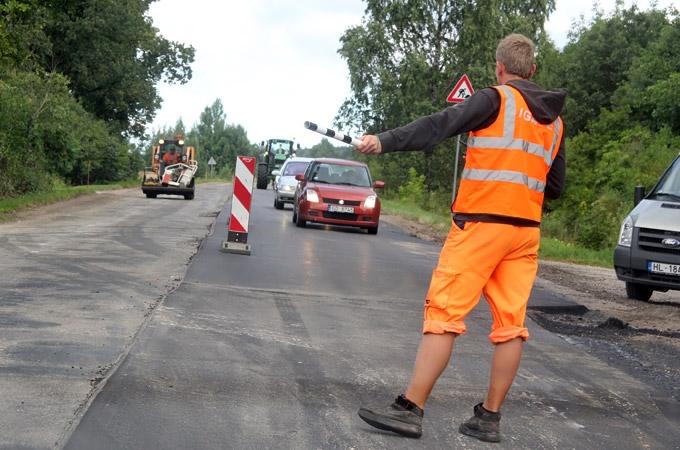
(274, 63)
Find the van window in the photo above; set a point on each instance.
(669, 185)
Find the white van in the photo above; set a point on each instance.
(647, 256)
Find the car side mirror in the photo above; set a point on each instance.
(300, 177)
(379, 184)
(276, 173)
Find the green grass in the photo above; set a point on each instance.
(441, 222)
(10, 206)
(556, 250)
(551, 248)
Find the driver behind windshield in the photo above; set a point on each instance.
(170, 157)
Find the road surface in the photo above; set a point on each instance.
(280, 348)
(78, 280)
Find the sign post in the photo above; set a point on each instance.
(459, 94)
(237, 231)
(212, 163)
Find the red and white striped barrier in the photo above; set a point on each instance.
(237, 232)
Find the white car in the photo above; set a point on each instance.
(285, 182)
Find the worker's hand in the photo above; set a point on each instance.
(370, 145)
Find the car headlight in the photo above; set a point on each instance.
(312, 196)
(370, 201)
(626, 236)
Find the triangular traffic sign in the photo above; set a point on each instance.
(462, 90)
(212, 161)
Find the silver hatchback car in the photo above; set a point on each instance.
(285, 182)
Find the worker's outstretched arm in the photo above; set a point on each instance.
(478, 111)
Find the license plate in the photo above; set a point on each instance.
(341, 209)
(667, 269)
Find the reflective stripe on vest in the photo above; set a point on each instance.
(508, 162)
(508, 176)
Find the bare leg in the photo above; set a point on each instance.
(506, 357)
(433, 356)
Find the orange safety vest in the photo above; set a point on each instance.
(507, 163)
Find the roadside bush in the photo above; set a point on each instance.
(414, 188)
(45, 133)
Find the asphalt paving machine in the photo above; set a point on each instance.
(173, 169)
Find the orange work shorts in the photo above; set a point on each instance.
(498, 260)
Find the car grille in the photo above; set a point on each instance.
(650, 239)
(336, 201)
(339, 216)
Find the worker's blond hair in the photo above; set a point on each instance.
(516, 52)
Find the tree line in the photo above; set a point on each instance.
(78, 91)
(213, 137)
(621, 71)
(77, 82)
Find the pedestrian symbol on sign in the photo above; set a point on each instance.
(461, 91)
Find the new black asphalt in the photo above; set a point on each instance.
(279, 349)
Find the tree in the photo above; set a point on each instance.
(215, 138)
(407, 54)
(325, 149)
(114, 58)
(596, 61)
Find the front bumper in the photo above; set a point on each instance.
(167, 190)
(285, 196)
(630, 264)
(362, 217)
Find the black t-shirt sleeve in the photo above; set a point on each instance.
(477, 112)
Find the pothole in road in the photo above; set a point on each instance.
(580, 321)
(210, 214)
(649, 355)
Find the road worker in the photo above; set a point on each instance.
(515, 159)
(169, 158)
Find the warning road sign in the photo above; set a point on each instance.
(462, 90)
(212, 162)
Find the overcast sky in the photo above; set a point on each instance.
(274, 63)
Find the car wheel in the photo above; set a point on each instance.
(277, 203)
(372, 230)
(637, 291)
(150, 195)
(188, 196)
(294, 214)
(299, 221)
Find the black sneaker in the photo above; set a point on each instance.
(484, 425)
(401, 417)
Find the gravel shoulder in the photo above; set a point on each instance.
(642, 338)
(79, 280)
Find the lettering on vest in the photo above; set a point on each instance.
(527, 116)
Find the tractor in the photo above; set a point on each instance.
(173, 169)
(276, 151)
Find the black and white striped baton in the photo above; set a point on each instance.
(332, 134)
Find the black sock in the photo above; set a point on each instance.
(409, 405)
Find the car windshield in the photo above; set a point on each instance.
(294, 168)
(169, 146)
(281, 146)
(341, 174)
(670, 183)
